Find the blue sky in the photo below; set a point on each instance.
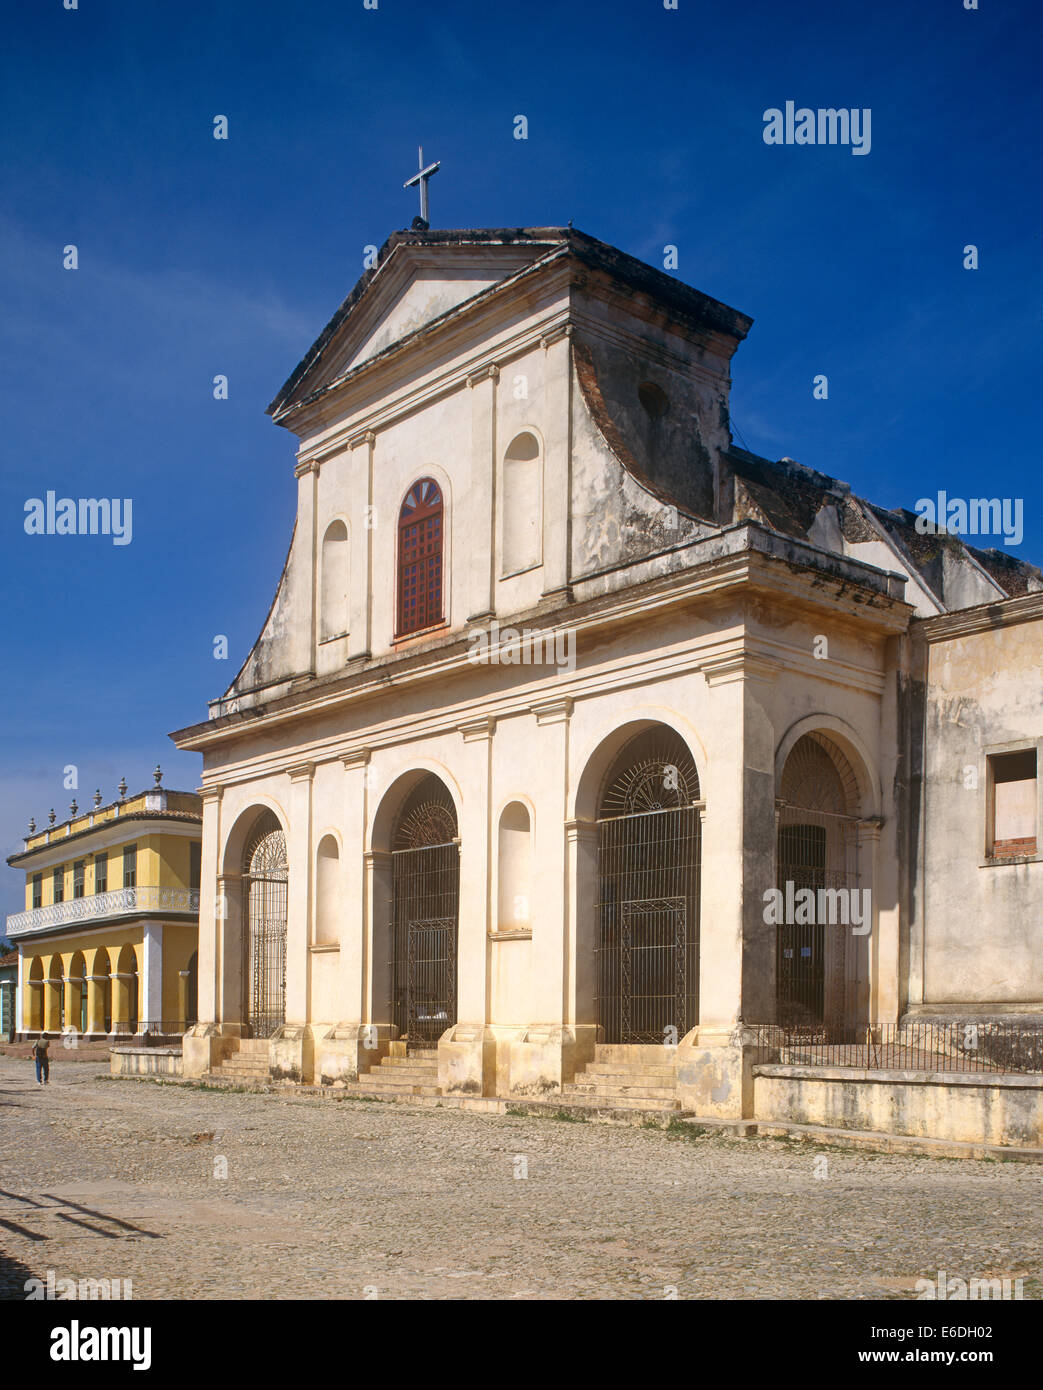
(200, 257)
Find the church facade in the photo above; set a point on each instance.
(573, 725)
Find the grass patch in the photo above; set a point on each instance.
(565, 1116)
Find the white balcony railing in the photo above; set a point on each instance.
(120, 902)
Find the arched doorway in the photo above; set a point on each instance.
(647, 948)
(818, 964)
(265, 875)
(425, 877)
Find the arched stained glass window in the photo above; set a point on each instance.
(420, 558)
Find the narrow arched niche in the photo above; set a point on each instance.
(327, 893)
(514, 879)
(333, 608)
(521, 543)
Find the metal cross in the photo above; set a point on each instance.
(421, 178)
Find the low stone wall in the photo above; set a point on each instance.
(985, 1108)
(145, 1061)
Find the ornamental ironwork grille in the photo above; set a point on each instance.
(265, 874)
(420, 558)
(425, 916)
(647, 950)
(818, 963)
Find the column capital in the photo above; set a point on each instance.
(725, 668)
(555, 335)
(363, 437)
(489, 373)
(211, 795)
(301, 772)
(305, 467)
(474, 730)
(375, 858)
(555, 711)
(358, 757)
(581, 832)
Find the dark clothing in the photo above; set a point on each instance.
(43, 1067)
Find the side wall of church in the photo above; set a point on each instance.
(976, 929)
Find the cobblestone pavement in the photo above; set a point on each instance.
(103, 1178)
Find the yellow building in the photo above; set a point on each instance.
(107, 941)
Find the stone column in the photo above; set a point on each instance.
(477, 519)
(737, 947)
(557, 462)
(354, 947)
(299, 893)
(230, 929)
(467, 1051)
(150, 1000)
(302, 630)
(376, 981)
(561, 1034)
(355, 1044)
(211, 915)
(363, 525)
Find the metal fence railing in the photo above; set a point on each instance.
(923, 1046)
(166, 1031)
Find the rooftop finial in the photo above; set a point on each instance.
(122, 788)
(32, 825)
(73, 808)
(421, 177)
(97, 797)
(51, 816)
(157, 774)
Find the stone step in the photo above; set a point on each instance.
(409, 1083)
(590, 1088)
(614, 1072)
(253, 1047)
(647, 1053)
(363, 1088)
(243, 1064)
(598, 1100)
(411, 1062)
(251, 1083)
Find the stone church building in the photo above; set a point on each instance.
(564, 701)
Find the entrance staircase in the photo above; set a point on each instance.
(246, 1067)
(401, 1075)
(626, 1076)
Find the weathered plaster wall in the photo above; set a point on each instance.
(977, 936)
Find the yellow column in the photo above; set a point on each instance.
(121, 1002)
(71, 987)
(32, 1008)
(52, 1005)
(97, 988)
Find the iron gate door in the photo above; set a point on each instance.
(647, 950)
(801, 951)
(426, 885)
(267, 968)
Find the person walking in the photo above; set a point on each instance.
(43, 1068)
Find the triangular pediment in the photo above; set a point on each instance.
(418, 278)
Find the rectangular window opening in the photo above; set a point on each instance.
(1012, 830)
